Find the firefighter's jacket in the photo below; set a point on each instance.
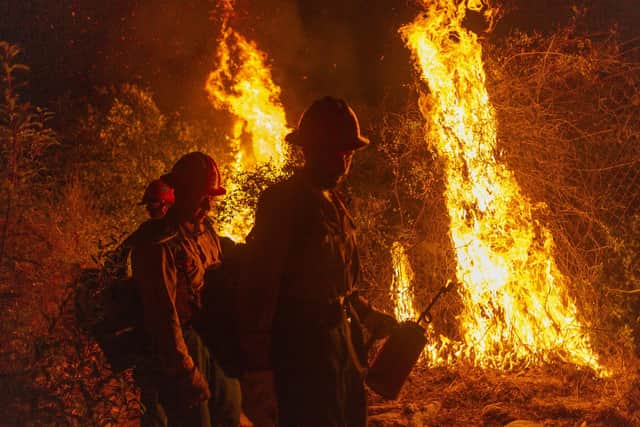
(302, 262)
(118, 262)
(169, 267)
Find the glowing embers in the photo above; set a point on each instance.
(242, 84)
(517, 310)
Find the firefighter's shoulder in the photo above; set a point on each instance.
(156, 231)
(282, 193)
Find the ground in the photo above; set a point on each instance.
(46, 364)
(550, 396)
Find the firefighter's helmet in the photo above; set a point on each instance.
(196, 173)
(328, 122)
(158, 193)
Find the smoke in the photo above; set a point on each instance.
(349, 49)
(346, 49)
(169, 45)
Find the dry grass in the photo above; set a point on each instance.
(552, 396)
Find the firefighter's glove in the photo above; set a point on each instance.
(380, 324)
(193, 389)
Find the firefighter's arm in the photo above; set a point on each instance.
(156, 276)
(378, 323)
(267, 250)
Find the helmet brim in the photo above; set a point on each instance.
(356, 143)
(220, 191)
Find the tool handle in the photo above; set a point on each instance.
(426, 315)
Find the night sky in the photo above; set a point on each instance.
(346, 48)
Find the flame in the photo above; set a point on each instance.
(402, 296)
(517, 310)
(402, 284)
(242, 84)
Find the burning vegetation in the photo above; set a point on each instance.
(242, 84)
(512, 170)
(517, 308)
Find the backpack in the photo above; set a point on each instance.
(108, 309)
(216, 323)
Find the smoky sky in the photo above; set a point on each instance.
(348, 48)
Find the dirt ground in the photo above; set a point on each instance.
(550, 396)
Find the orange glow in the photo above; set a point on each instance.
(402, 296)
(517, 309)
(242, 84)
(402, 285)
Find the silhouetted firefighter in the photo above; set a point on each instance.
(108, 301)
(300, 307)
(183, 384)
(158, 197)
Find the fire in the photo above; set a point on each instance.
(402, 296)
(242, 84)
(402, 285)
(517, 310)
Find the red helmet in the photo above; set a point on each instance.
(158, 192)
(196, 172)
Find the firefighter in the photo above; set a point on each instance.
(184, 386)
(158, 198)
(300, 311)
(120, 302)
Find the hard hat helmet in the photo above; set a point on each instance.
(158, 192)
(195, 173)
(328, 122)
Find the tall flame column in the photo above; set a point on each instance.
(242, 84)
(517, 310)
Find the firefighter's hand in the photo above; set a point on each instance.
(380, 324)
(193, 389)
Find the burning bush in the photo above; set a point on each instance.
(568, 112)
